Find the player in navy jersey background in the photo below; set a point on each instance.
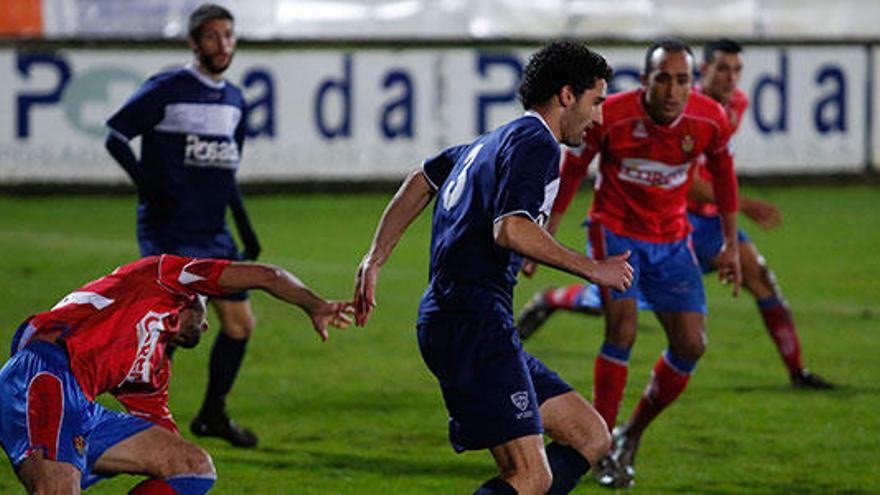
(191, 121)
(493, 196)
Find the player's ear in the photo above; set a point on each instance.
(192, 44)
(566, 96)
(644, 79)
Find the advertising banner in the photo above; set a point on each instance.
(364, 114)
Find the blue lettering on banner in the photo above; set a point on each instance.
(397, 116)
(486, 62)
(25, 62)
(342, 87)
(262, 106)
(626, 77)
(778, 84)
(830, 111)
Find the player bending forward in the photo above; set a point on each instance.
(111, 335)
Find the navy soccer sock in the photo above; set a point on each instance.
(495, 486)
(227, 355)
(567, 465)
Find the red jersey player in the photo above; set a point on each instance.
(111, 335)
(721, 70)
(648, 142)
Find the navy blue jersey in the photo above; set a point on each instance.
(192, 134)
(513, 170)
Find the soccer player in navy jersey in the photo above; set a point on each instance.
(191, 121)
(112, 336)
(493, 196)
(721, 69)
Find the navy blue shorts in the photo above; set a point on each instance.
(220, 246)
(492, 388)
(708, 239)
(44, 409)
(665, 274)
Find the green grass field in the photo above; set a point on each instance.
(362, 414)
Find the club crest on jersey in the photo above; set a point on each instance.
(687, 143)
(149, 329)
(79, 443)
(520, 400)
(201, 152)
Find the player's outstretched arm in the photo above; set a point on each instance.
(240, 276)
(524, 236)
(413, 196)
(727, 261)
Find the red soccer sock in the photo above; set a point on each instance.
(780, 326)
(665, 386)
(153, 486)
(609, 380)
(564, 297)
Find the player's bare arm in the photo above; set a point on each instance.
(729, 269)
(410, 200)
(287, 287)
(529, 267)
(521, 234)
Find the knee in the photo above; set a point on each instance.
(60, 481)
(692, 349)
(192, 460)
(240, 328)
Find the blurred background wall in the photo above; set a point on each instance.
(363, 90)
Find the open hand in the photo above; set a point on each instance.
(614, 272)
(331, 314)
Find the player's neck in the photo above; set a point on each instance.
(205, 72)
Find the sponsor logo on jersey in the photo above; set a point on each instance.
(207, 152)
(149, 329)
(653, 173)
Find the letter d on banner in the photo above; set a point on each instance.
(343, 87)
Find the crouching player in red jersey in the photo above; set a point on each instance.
(111, 335)
(721, 69)
(648, 143)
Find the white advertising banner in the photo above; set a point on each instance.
(361, 114)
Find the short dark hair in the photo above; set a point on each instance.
(559, 64)
(673, 45)
(205, 13)
(725, 45)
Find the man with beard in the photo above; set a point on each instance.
(191, 121)
(112, 335)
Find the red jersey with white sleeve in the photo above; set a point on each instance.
(735, 110)
(115, 329)
(645, 168)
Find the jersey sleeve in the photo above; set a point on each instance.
(192, 275)
(719, 162)
(522, 177)
(437, 168)
(143, 111)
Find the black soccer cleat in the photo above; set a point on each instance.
(807, 380)
(220, 426)
(605, 472)
(533, 315)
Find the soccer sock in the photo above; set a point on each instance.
(668, 381)
(564, 297)
(609, 380)
(495, 486)
(193, 484)
(780, 325)
(227, 355)
(567, 465)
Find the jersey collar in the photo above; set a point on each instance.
(207, 81)
(532, 113)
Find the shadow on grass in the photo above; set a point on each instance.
(373, 464)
